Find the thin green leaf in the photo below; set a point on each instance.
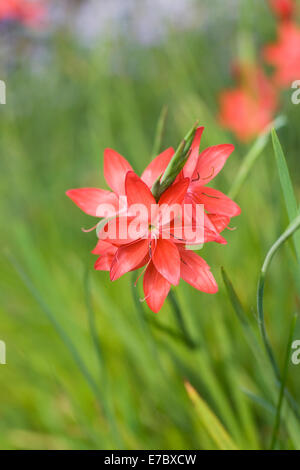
(260, 298)
(287, 188)
(160, 129)
(252, 156)
(59, 329)
(283, 382)
(210, 421)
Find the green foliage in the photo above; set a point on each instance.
(85, 367)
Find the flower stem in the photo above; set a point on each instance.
(260, 308)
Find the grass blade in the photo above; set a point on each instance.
(210, 421)
(283, 382)
(287, 188)
(107, 401)
(251, 157)
(242, 316)
(160, 130)
(61, 332)
(260, 297)
(180, 320)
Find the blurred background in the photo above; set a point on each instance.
(88, 365)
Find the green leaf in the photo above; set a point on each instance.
(283, 382)
(159, 133)
(287, 188)
(252, 156)
(210, 421)
(260, 297)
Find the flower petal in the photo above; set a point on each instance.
(156, 288)
(123, 230)
(104, 248)
(137, 192)
(115, 169)
(211, 162)
(191, 163)
(94, 201)
(220, 222)
(127, 258)
(167, 261)
(170, 201)
(157, 167)
(214, 201)
(104, 263)
(196, 272)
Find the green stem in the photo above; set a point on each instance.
(260, 308)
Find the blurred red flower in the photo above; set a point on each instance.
(284, 55)
(284, 9)
(29, 13)
(165, 260)
(247, 109)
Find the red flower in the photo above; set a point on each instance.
(284, 55)
(24, 11)
(165, 260)
(284, 9)
(247, 109)
(201, 169)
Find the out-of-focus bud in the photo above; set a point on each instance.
(284, 9)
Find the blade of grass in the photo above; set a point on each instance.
(180, 320)
(253, 343)
(210, 421)
(160, 130)
(283, 382)
(176, 335)
(260, 308)
(242, 316)
(104, 377)
(253, 154)
(287, 188)
(259, 401)
(61, 332)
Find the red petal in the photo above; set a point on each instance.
(127, 258)
(214, 201)
(137, 192)
(191, 163)
(157, 167)
(166, 259)
(211, 162)
(93, 201)
(196, 272)
(104, 262)
(219, 221)
(173, 196)
(156, 288)
(115, 169)
(104, 248)
(123, 230)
